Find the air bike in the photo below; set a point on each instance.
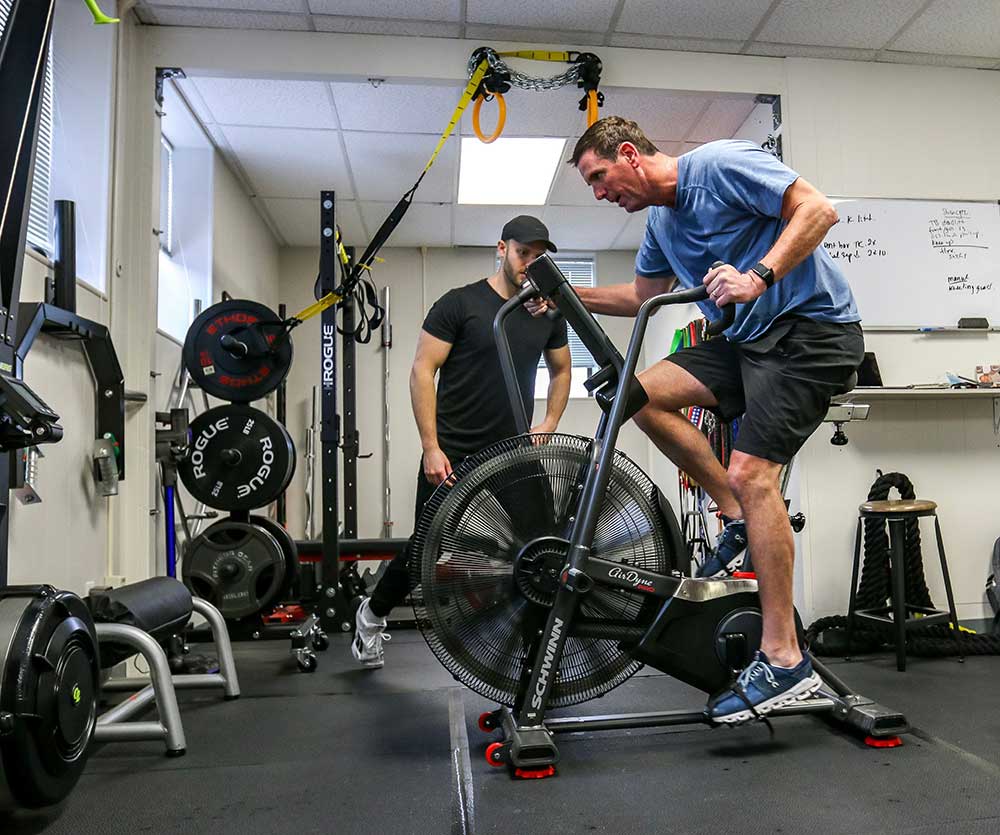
(548, 573)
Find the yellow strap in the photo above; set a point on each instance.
(470, 91)
(99, 16)
(317, 307)
(537, 55)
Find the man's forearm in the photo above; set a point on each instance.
(613, 300)
(423, 398)
(557, 397)
(805, 231)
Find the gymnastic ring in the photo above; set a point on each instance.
(501, 118)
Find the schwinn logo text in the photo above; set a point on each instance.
(634, 578)
(543, 675)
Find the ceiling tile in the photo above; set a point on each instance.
(290, 162)
(238, 5)
(860, 24)
(592, 15)
(381, 26)
(266, 103)
(660, 113)
(692, 18)
(198, 105)
(298, 221)
(722, 119)
(590, 228)
(424, 224)
(205, 18)
(957, 27)
(386, 165)
(392, 108)
(406, 9)
(533, 113)
(481, 225)
(632, 234)
(783, 50)
(564, 38)
(569, 188)
(677, 44)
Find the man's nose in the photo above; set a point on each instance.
(600, 192)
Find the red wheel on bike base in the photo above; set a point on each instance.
(495, 755)
(487, 724)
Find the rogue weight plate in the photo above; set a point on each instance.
(239, 458)
(234, 350)
(237, 567)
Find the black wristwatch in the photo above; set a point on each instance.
(764, 273)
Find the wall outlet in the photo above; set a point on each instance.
(114, 580)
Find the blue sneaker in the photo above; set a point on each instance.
(762, 687)
(729, 551)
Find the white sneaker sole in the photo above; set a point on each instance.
(802, 690)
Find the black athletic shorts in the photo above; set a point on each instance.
(782, 383)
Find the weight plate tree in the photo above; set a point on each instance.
(239, 568)
(237, 350)
(240, 458)
(49, 682)
(488, 550)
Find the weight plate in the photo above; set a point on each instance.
(291, 552)
(237, 567)
(49, 682)
(239, 458)
(230, 352)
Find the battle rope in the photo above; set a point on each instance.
(874, 591)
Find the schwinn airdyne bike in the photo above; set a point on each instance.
(550, 572)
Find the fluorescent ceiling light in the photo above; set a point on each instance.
(508, 172)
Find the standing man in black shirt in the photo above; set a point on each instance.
(470, 409)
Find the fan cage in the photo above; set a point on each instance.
(468, 606)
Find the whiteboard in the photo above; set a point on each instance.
(919, 263)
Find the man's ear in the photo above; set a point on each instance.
(629, 153)
(501, 248)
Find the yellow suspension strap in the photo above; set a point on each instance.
(99, 16)
(354, 275)
(585, 72)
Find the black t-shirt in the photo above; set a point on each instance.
(473, 410)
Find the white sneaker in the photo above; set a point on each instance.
(368, 637)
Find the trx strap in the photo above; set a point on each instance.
(489, 77)
(99, 16)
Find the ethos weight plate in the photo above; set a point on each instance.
(239, 568)
(239, 458)
(233, 351)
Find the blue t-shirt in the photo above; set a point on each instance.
(728, 208)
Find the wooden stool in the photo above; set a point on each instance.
(897, 513)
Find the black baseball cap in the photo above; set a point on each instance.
(527, 230)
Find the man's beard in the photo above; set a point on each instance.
(509, 274)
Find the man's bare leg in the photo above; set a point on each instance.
(755, 482)
(671, 388)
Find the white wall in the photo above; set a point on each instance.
(882, 130)
(416, 280)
